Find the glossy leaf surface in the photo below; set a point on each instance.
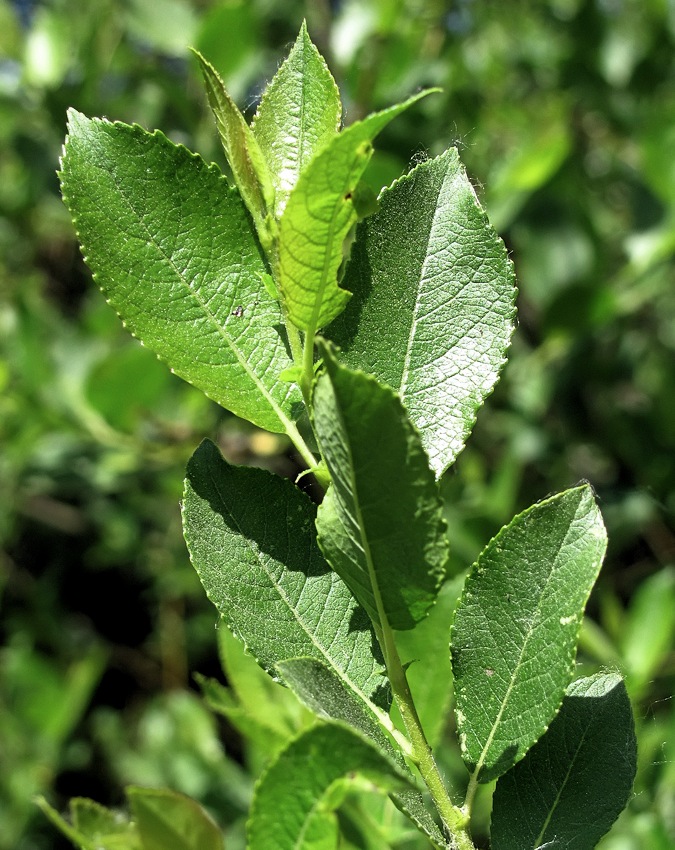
(299, 113)
(317, 218)
(171, 247)
(380, 525)
(433, 302)
(515, 630)
(252, 541)
(571, 786)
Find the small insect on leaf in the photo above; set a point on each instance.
(238, 311)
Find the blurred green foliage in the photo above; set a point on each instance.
(564, 112)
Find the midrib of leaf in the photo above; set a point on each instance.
(301, 137)
(300, 841)
(365, 545)
(290, 427)
(381, 716)
(563, 784)
(312, 328)
(535, 619)
(413, 326)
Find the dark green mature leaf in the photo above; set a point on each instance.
(433, 302)
(294, 787)
(248, 164)
(572, 785)
(299, 113)
(318, 216)
(322, 692)
(171, 247)
(169, 821)
(381, 523)
(251, 539)
(515, 630)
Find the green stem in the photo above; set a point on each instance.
(308, 366)
(454, 819)
(301, 445)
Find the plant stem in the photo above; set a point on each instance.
(454, 819)
(308, 366)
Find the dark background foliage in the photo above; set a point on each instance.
(564, 113)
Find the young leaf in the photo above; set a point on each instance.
(515, 630)
(248, 164)
(322, 692)
(380, 525)
(170, 821)
(299, 113)
(93, 827)
(318, 216)
(433, 302)
(251, 539)
(294, 787)
(170, 245)
(572, 785)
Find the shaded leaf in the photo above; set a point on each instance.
(171, 247)
(289, 794)
(299, 113)
(322, 692)
(380, 525)
(170, 821)
(572, 785)
(251, 539)
(317, 218)
(433, 302)
(515, 630)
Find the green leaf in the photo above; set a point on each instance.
(106, 829)
(515, 630)
(93, 826)
(248, 164)
(299, 113)
(649, 628)
(299, 782)
(318, 216)
(433, 302)
(380, 525)
(322, 692)
(171, 247)
(252, 541)
(424, 648)
(170, 821)
(571, 786)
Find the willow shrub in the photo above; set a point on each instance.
(370, 331)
